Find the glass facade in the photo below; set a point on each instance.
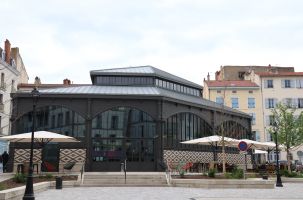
(177, 87)
(57, 119)
(184, 126)
(233, 129)
(121, 133)
(123, 80)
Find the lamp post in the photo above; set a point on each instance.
(29, 190)
(279, 181)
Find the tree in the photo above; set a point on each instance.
(287, 128)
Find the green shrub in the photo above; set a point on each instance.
(48, 176)
(2, 187)
(235, 174)
(19, 178)
(212, 173)
(286, 173)
(180, 169)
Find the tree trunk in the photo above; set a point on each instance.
(223, 151)
(288, 160)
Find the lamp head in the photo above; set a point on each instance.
(35, 93)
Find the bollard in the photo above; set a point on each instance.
(58, 182)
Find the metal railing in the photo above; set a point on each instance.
(123, 169)
(168, 173)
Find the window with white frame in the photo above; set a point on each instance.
(251, 102)
(270, 103)
(253, 120)
(256, 135)
(270, 120)
(220, 100)
(268, 137)
(288, 83)
(299, 83)
(300, 102)
(269, 83)
(234, 102)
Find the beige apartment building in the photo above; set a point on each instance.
(244, 96)
(284, 87)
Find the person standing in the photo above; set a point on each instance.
(5, 158)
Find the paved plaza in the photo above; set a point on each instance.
(289, 191)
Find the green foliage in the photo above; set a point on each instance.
(2, 187)
(287, 128)
(235, 174)
(48, 176)
(19, 178)
(212, 173)
(181, 169)
(286, 173)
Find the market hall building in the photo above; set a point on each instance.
(140, 114)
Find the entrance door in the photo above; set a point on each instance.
(50, 158)
(109, 154)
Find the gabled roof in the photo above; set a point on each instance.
(279, 74)
(231, 84)
(143, 71)
(134, 91)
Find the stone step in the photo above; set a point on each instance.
(123, 180)
(117, 179)
(122, 177)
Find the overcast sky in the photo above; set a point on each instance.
(67, 38)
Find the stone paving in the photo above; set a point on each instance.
(289, 191)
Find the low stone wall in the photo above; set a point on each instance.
(223, 183)
(17, 193)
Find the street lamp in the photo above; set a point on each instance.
(29, 190)
(279, 181)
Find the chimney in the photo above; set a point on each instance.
(208, 77)
(66, 82)
(37, 81)
(7, 48)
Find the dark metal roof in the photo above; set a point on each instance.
(134, 91)
(143, 71)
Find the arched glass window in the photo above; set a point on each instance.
(182, 127)
(57, 119)
(233, 129)
(123, 133)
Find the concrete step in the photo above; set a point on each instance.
(118, 179)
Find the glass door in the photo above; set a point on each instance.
(50, 158)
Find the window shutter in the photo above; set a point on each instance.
(275, 102)
(294, 103)
(267, 120)
(266, 103)
(292, 83)
(265, 84)
(284, 101)
(283, 83)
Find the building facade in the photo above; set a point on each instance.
(244, 96)
(234, 72)
(13, 72)
(283, 87)
(138, 114)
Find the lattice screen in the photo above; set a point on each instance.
(202, 157)
(77, 155)
(22, 155)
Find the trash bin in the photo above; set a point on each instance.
(58, 182)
